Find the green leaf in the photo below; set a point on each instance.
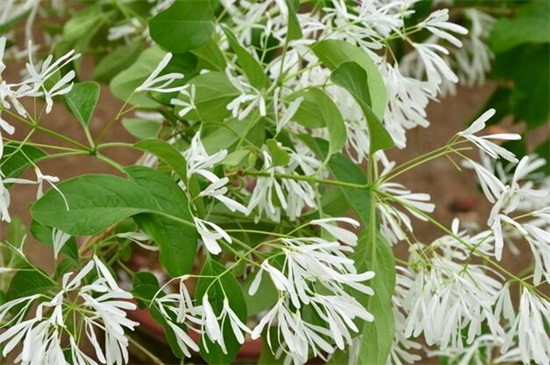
(376, 255)
(335, 52)
(531, 94)
(531, 24)
(236, 158)
(318, 110)
(280, 156)
(264, 299)
(82, 100)
(224, 135)
(352, 77)
(250, 66)
(184, 26)
(43, 234)
(213, 91)
(29, 282)
(210, 57)
(294, 28)
(95, 202)
(146, 287)
(116, 61)
(218, 283)
(166, 152)
(142, 128)
(125, 83)
(17, 158)
(177, 240)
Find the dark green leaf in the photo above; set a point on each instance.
(543, 150)
(250, 66)
(352, 77)
(166, 152)
(531, 75)
(218, 289)
(145, 288)
(29, 282)
(82, 100)
(177, 240)
(17, 158)
(95, 202)
(335, 52)
(184, 26)
(43, 234)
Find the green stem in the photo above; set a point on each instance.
(308, 178)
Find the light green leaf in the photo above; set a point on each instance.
(116, 61)
(213, 91)
(82, 100)
(177, 240)
(250, 66)
(236, 158)
(352, 77)
(375, 254)
(318, 110)
(225, 135)
(264, 298)
(335, 52)
(280, 156)
(531, 24)
(210, 57)
(142, 128)
(294, 28)
(124, 84)
(218, 289)
(166, 152)
(184, 26)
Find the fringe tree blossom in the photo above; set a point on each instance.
(155, 82)
(101, 305)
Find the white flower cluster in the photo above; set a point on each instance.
(100, 306)
(314, 273)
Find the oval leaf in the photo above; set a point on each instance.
(184, 26)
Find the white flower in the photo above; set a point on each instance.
(38, 75)
(189, 103)
(437, 23)
(288, 112)
(101, 305)
(210, 233)
(59, 238)
(249, 97)
(392, 220)
(160, 84)
(339, 233)
(488, 147)
(529, 327)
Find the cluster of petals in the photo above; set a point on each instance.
(102, 305)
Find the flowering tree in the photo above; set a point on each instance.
(262, 124)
